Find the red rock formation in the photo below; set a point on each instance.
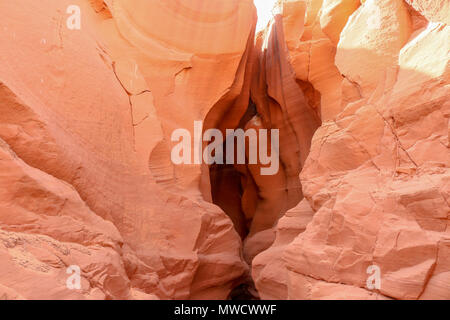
(85, 124)
(359, 91)
(377, 176)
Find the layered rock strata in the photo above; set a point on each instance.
(358, 90)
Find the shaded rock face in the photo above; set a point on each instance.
(359, 91)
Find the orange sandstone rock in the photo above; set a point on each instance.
(86, 117)
(377, 174)
(359, 91)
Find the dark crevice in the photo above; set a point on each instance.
(244, 291)
(226, 183)
(227, 191)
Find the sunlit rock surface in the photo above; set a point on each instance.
(377, 176)
(85, 125)
(359, 91)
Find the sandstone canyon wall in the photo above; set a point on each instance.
(359, 91)
(376, 181)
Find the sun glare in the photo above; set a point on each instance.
(264, 8)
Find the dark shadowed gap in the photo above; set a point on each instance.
(226, 187)
(226, 190)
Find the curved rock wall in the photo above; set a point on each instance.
(359, 91)
(376, 181)
(85, 129)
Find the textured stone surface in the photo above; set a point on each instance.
(359, 91)
(377, 175)
(86, 116)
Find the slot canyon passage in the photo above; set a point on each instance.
(359, 91)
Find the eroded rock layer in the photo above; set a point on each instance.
(85, 126)
(377, 180)
(359, 91)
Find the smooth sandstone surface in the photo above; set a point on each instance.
(86, 118)
(360, 94)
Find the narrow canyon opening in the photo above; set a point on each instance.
(226, 182)
(227, 192)
(94, 96)
(253, 202)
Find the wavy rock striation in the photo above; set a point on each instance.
(359, 91)
(85, 131)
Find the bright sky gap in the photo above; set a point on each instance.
(264, 8)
